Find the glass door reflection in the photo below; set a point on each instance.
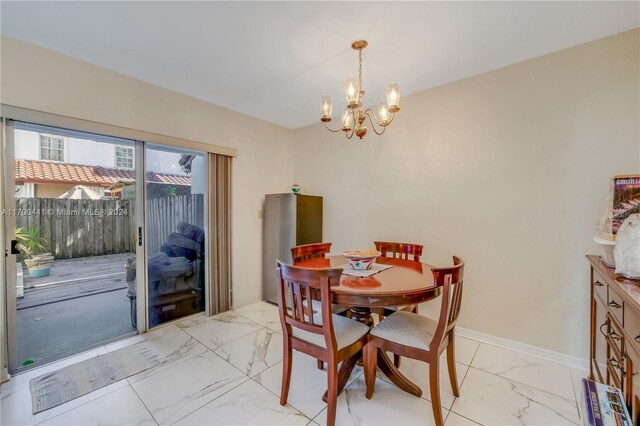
(176, 187)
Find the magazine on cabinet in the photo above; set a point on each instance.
(626, 199)
(603, 405)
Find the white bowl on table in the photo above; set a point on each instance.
(360, 260)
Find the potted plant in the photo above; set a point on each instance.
(30, 242)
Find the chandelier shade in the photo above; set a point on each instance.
(354, 114)
(351, 89)
(383, 113)
(347, 119)
(326, 106)
(393, 96)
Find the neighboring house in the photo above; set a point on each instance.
(48, 165)
(46, 179)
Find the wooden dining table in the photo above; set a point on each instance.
(405, 283)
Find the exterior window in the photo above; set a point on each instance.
(124, 157)
(51, 148)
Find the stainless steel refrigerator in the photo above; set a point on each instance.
(289, 220)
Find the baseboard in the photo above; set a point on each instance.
(548, 354)
(245, 301)
(559, 357)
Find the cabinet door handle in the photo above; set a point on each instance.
(637, 338)
(598, 284)
(604, 325)
(616, 364)
(614, 304)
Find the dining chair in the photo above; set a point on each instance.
(406, 251)
(314, 251)
(309, 251)
(418, 337)
(326, 336)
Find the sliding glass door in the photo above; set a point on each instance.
(176, 188)
(71, 226)
(105, 236)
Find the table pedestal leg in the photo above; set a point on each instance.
(362, 315)
(345, 372)
(385, 364)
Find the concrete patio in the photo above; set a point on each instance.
(81, 303)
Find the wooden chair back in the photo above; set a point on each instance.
(451, 281)
(309, 251)
(296, 288)
(399, 250)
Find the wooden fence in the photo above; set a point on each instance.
(82, 228)
(165, 213)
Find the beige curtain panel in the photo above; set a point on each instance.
(220, 233)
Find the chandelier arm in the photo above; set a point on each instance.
(393, 115)
(373, 121)
(372, 117)
(353, 131)
(330, 129)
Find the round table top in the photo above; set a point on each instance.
(406, 282)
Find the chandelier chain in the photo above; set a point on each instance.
(360, 69)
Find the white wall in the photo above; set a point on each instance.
(198, 166)
(43, 80)
(509, 170)
(82, 151)
(27, 145)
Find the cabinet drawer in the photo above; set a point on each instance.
(600, 286)
(615, 337)
(615, 374)
(615, 305)
(632, 327)
(616, 367)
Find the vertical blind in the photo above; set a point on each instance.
(220, 233)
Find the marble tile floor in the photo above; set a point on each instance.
(226, 370)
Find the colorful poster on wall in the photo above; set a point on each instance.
(626, 199)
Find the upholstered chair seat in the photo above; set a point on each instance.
(407, 329)
(347, 331)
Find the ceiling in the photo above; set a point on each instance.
(273, 60)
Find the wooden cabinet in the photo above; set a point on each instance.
(599, 346)
(615, 332)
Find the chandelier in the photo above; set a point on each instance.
(354, 114)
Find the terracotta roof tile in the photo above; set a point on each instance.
(51, 172)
